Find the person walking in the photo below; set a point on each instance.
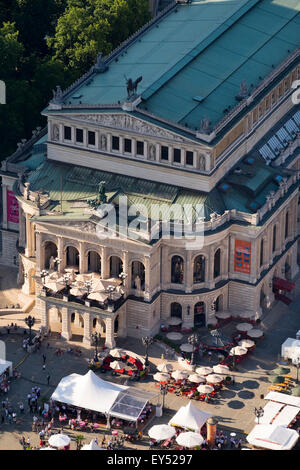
(48, 379)
(44, 358)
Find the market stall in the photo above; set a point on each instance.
(189, 417)
(268, 436)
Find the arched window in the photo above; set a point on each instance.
(50, 253)
(116, 266)
(176, 310)
(217, 263)
(138, 275)
(72, 256)
(199, 314)
(274, 241)
(286, 231)
(261, 260)
(94, 262)
(199, 269)
(177, 270)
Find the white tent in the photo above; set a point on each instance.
(272, 437)
(283, 398)
(290, 347)
(5, 365)
(270, 411)
(92, 393)
(286, 415)
(92, 446)
(190, 417)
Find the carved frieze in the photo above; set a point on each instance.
(126, 122)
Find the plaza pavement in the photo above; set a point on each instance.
(234, 407)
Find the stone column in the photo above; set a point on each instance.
(82, 258)
(104, 263)
(61, 254)
(189, 272)
(4, 206)
(28, 250)
(66, 324)
(22, 228)
(125, 260)
(40, 252)
(42, 312)
(147, 294)
(87, 328)
(110, 336)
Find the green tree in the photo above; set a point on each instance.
(90, 26)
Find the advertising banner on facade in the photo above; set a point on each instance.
(12, 208)
(242, 256)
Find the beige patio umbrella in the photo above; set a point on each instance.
(165, 367)
(83, 277)
(238, 351)
(174, 336)
(255, 333)
(117, 352)
(55, 286)
(187, 347)
(244, 326)
(223, 315)
(161, 377)
(246, 343)
(205, 388)
(98, 296)
(116, 365)
(180, 374)
(59, 440)
(246, 315)
(189, 439)
(220, 369)
(204, 370)
(196, 378)
(78, 291)
(214, 379)
(173, 321)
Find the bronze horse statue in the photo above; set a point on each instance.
(132, 85)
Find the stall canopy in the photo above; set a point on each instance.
(286, 415)
(283, 284)
(5, 365)
(92, 393)
(270, 411)
(283, 398)
(189, 417)
(290, 348)
(273, 437)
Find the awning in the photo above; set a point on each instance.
(286, 416)
(283, 284)
(283, 298)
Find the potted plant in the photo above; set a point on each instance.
(228, 379)
(79, 438)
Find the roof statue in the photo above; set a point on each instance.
(205, 126)
(244, 91)
(101, 197)
(100, 65)
(132, 86)
(57, 95)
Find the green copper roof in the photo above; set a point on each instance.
(194, 58)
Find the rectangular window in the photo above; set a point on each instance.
(164, 153)
(177, 156)
(115, 143)
(79, 136)
(189, 158)
(127, 145)
(91, 138)
(139, 147)
(67, 133)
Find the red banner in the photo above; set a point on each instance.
(242, 256)
(12, 207)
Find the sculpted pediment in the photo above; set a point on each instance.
(126, 122)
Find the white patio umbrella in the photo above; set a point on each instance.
(117, 352)
(189, 439)
(244, 326)
(98, 296)
(173, 321)
(187, 347)
(245, 315)
(205, 388)
(196, 378)
(165, 367)
(91, 446)
(59, 440)
(78, 291)
(180, 374)
(246, 343)
(214, 379)
(160, 432)
(255, 333)
(238, 351)
(47, 448)
(223, 315)
(204, 370)
(116, 365)
(161, 377)
(83, 277)
(220, 369)
(174, 336)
